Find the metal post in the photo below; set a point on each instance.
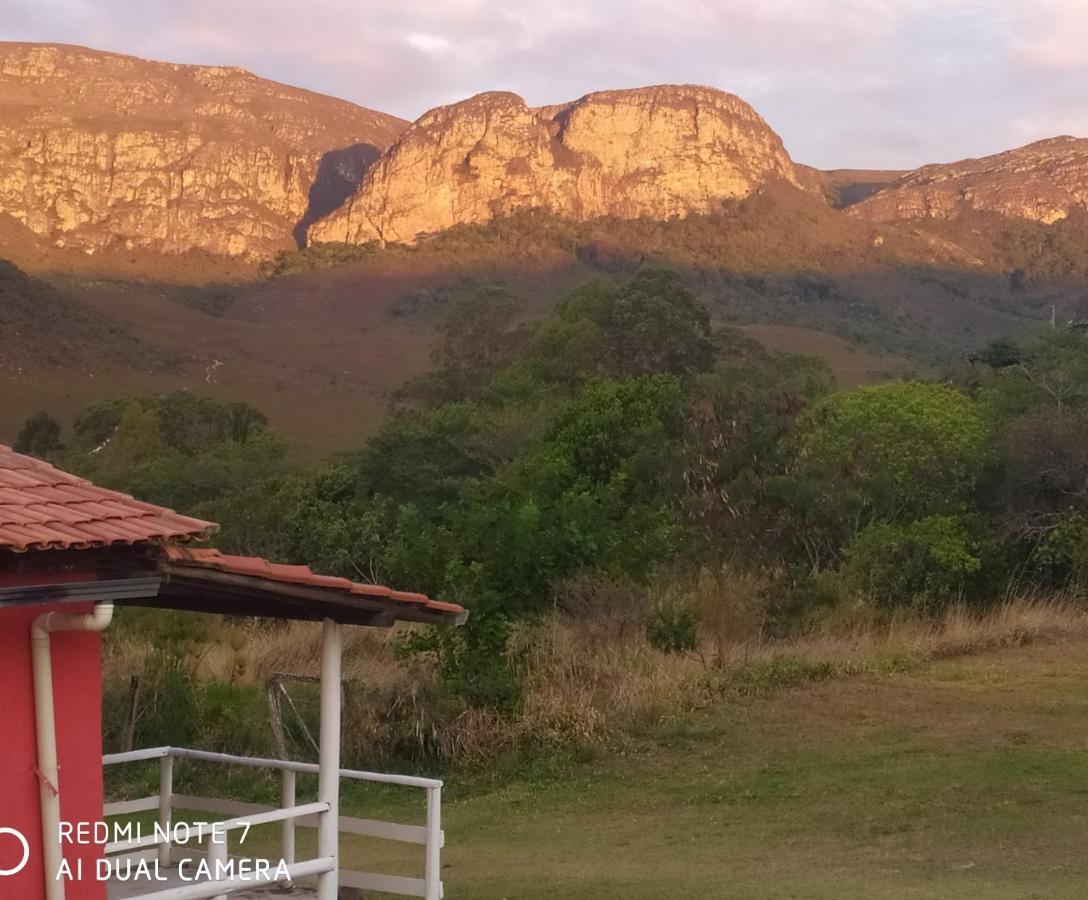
(287, 800)
(328, 776)
(432, 877)
(166, 804)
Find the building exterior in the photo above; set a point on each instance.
(69, 553)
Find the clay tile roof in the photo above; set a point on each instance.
(192, 561)
(43, 508)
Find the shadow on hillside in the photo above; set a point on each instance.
(338, 175)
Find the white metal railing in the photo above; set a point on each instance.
(290, 814)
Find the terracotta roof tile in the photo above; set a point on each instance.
(303, 576)
(43, 508)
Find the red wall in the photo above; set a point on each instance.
(77, 683)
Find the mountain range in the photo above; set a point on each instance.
(100, 151)
(204, 228)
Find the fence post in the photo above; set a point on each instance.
(217, 857)
(287, 800)
(328, 776)
(166, 804)
(432, 877)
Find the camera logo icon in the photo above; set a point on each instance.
(18, 835)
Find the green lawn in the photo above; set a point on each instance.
(968, 779)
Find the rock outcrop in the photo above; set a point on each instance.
(1043, 181)
(99, 150)
(657, 152)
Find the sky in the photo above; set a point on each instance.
(846, 83)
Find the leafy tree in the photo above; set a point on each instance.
(740, 418)
(928, 562)
(1000, 354)
(473, 660)
(895, 452)
(1056, 368)
(1060, 558)
(176, 449)
(479, 334)
(39, 436)
(1046, 472)
(425, 457)
(649, 324)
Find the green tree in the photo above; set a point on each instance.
(1054, 369)
(894, 452)
(39, 436)
(175, 449)
(740, 419)
(927, 563)
(479, 334)
(650, 324)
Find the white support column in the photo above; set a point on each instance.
(432, 878)
(217, 854)
(166, 803)
(328, 777)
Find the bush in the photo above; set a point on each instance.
(1060, 558)
(473, 661)
(672, 629)
(169, 712)
(929, 562)
(39, 436)
(797, 598)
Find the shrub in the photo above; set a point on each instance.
(1060, 559)
(672, 629)
(929, 562)
(169, 711)
(797, 598)
(473, 662)
(39, 436)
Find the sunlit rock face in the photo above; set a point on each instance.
(99, 151)
(656, 152)
(1043, 181)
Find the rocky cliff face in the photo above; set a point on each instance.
(1042, 182)
(658, 152)
(99, 151)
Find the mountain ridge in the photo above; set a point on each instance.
(1042, 181)
(111, 164)
(658, 151)
(102, 151)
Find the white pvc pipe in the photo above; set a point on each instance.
(45, 721)
(328, 776)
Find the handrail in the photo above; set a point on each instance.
(266, 818)
(430, 834)
(202, 890)
(257, 762)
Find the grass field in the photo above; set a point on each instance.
(968, 778)
(965, 778)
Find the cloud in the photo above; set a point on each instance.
(881, 83)
(1050, 35)
(433, 44)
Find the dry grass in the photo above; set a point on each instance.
(590, 675)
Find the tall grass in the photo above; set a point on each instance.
(590, 675)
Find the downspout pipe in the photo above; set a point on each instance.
(45, 719)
